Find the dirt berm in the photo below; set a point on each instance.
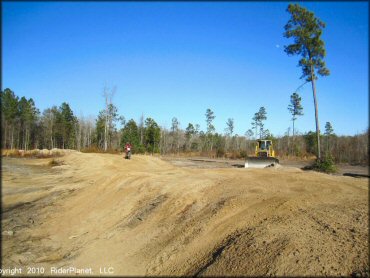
(145, 216)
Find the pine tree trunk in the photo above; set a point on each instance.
(6, 129)
(105, 130)
(142, 129)
(327, 146)
(26, 139)
(19, 141)
(316, 113)
(89, 137)
(293, 139)
(256, 131)
(288, 137)
(11, 144)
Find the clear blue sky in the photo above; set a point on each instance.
(177, 59)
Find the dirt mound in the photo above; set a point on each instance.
(145, 216)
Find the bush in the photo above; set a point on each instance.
(325, 165)
(138, 149)
(10, 153)
(55, 162)
(220, 152)
(32, 153)
(243, 154)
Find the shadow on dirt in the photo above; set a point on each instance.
(356, 175)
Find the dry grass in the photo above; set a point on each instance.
(36, 153)
(97, 150)
(55, 162)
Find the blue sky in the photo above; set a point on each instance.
(176, 59)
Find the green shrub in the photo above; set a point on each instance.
(325, 165)
(243, 154)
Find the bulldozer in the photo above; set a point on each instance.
(264, 155)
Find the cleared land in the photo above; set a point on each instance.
(147, 216)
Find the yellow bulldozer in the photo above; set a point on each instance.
(264, 155)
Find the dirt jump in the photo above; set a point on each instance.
(146, 216)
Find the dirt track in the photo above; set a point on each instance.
(201, 162)
(147, 216)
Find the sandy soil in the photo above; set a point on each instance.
(146, 216)
(201, 162)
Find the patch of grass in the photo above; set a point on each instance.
(10, 153)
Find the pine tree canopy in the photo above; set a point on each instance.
(306, 30)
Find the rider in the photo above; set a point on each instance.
(127, 147)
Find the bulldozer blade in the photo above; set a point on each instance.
(260, 162)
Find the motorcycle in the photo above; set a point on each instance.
(128, 154)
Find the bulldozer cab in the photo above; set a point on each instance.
(264, 148)
(264, 144)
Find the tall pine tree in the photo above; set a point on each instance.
(306, 30)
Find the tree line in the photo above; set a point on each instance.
(23, 126)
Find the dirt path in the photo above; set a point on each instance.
(201, 162)
(146, 216)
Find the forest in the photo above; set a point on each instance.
(23, 126)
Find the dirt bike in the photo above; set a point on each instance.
(128, 154)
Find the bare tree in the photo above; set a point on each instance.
(175, 134)
(229, 130)
(108, 96)
(210, 116)
(141, 128)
